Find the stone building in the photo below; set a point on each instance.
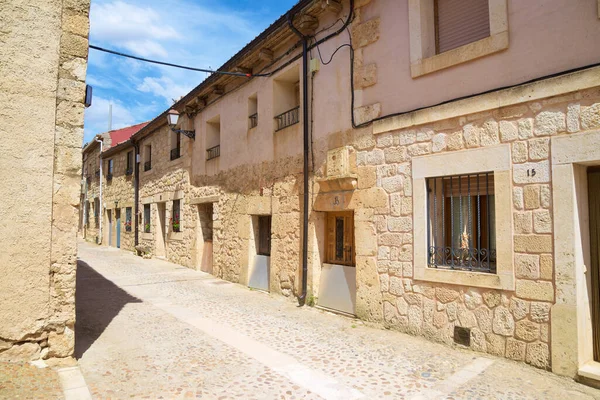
(44, 49)
(100, 219)
(447, 168)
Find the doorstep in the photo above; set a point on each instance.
(590, 371)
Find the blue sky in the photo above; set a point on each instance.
(198, 33)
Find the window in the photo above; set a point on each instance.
(213, 138)
(110, 169)
(444, 33)
(87, 213)
(252, 111)
(147, 218)
(148, 157)
(97, 212)
(264, 235)
(129, 169)
(175, 145)
(286, 98)
(340, 238)
(461, 222)
(460, 22)
(176, 216)
(128, 219)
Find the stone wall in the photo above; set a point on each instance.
(44, 59)
(513, 324)
(91, 164)
(118, 193)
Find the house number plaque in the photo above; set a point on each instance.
(531, 172)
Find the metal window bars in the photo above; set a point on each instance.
(253, 120)
(288, 118)
(213, 152)
(461, 222)
(175, 153)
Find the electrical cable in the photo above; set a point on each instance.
(174, 65)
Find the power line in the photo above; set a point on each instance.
(174, 65)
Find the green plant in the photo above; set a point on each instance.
(147, 227)
(311, 300)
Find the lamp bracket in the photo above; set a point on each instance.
(189, 134)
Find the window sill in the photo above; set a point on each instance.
(176, 237)
(468, 52)
(465, 278)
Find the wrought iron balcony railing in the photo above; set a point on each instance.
(175, 153)
(147, 165)
(253, 120)
(213, 152)
(288, 118)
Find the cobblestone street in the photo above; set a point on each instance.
(152, 329)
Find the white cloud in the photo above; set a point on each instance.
(96, 117)
(164, 87)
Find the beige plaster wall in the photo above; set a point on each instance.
(44, 59)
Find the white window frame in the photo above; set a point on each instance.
(496, 159)
(423, 58)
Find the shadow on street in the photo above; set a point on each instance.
(98, 301)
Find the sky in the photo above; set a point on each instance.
(196, 33)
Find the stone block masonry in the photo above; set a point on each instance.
(43, 69)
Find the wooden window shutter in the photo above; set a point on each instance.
(459, 22)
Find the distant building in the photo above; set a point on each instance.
(44, 51)
(451, 160)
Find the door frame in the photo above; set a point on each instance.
(570, 316)
(161, 233)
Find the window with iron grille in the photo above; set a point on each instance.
(264, 235)
(147, 218)
(128, 219)
(175, 145)
(148, 156)
(253, 111)
(460, 22)
(340, 238)
(176, 216)
(461, 222)
(110, 169)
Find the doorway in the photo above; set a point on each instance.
(204, 238)
(260, 253)
(337, 286)
(594, 220)
(109, 232)
(118, 226)
(160, 230)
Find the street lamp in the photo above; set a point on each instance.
(172, 121)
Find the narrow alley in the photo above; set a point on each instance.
(152, 329)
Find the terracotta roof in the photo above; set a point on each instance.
(121, 135)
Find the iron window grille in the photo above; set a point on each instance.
(288, 118)
(253, 120)
(213, 152)
(147, 218)
(128, 219)
(175, 153)
(461, 222)
(129, 171)
(109, 177)
(176, 218)
(147, 165)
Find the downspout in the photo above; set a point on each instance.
(100, 212)
(302, 297)
(136, 190)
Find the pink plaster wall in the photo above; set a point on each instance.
(546, 37)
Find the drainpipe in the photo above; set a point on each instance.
(302, 297)
(136, 190)
(100, 212)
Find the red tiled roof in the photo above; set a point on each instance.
(121, 135)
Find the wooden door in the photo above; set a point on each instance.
(594, 204)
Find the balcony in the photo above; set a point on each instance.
(253, 120)
(213, 152)
(147, 165)
(175, 153)
(129, 171)
(288, 118)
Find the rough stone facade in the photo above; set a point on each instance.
(44, 59)
(90, 205)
